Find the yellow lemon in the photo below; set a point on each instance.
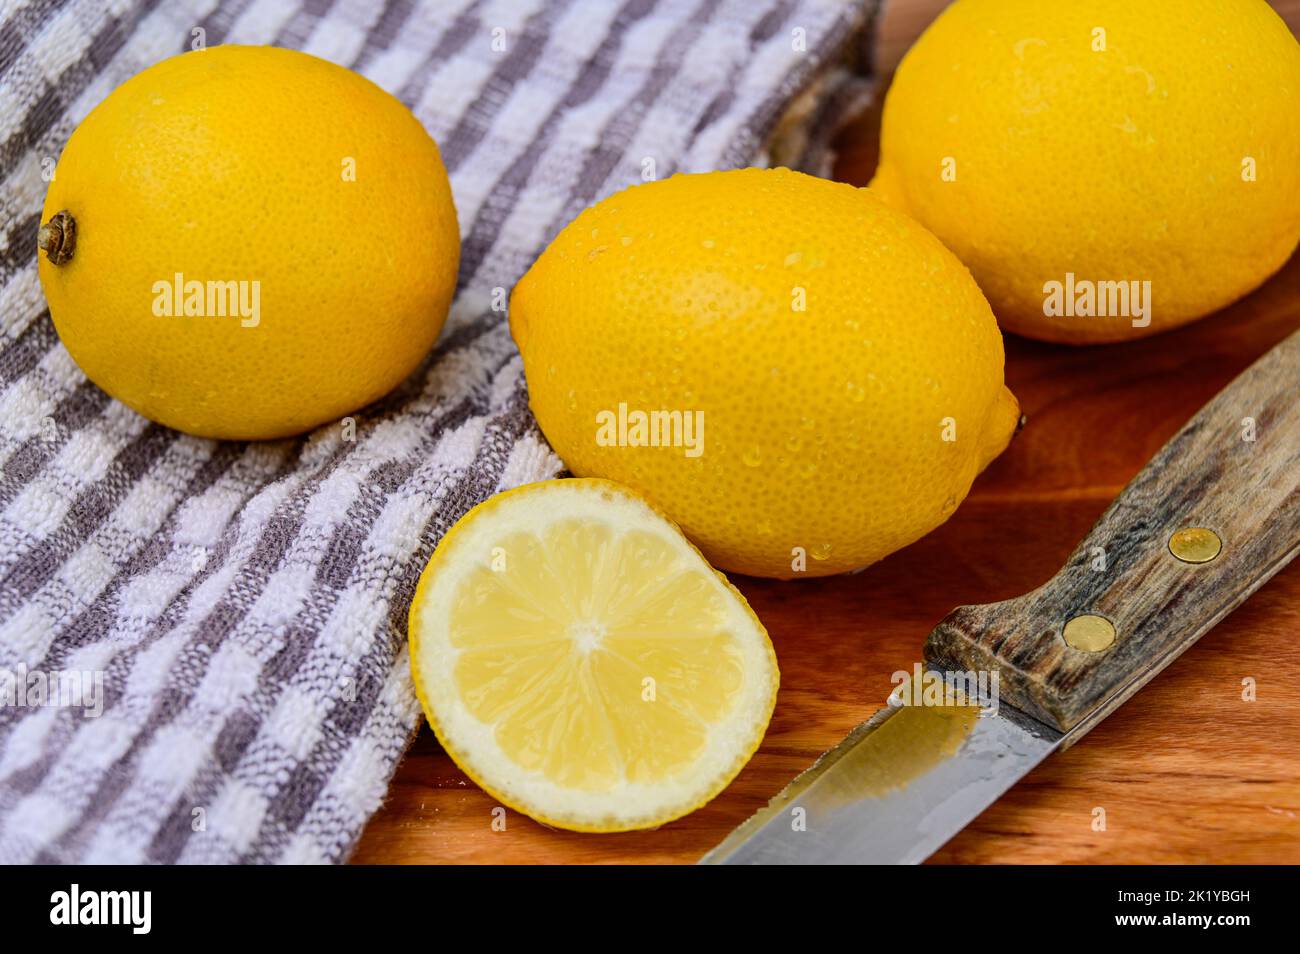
(802, 378)
(1107, 169)
(582, 663)
(246, 242)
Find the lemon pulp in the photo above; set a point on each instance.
(581, 661)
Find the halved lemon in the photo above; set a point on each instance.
(580, 660)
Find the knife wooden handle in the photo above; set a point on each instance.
(1234, 469)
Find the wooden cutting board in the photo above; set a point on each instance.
(1189, 770)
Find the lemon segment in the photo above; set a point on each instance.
(580, 660)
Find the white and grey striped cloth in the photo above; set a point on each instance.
(244, 604)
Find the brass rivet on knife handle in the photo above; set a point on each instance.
(1195, 545)
(1089, 634)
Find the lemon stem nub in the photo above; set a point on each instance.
(58, 238)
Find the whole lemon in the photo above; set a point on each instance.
(802, 378)
(246, 242)
(1108, 169)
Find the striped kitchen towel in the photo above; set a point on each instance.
(202, 644)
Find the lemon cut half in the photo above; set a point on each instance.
(579, 659)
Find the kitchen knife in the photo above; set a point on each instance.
(1212, 517)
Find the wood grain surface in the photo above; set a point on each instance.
(1194, 768)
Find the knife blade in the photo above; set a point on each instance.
(887, 794)
(1212, 517)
